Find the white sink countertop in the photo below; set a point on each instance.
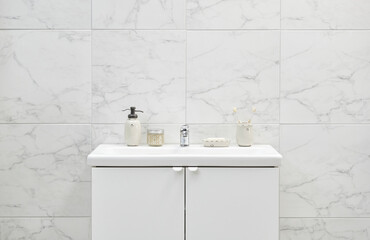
(119, 155)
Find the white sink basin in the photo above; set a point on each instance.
(174, 155)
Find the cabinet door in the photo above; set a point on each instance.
(137, 204)
(232, 203)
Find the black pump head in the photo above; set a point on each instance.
(132, 112)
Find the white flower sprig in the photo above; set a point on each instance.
(235, 113)
(253, 111)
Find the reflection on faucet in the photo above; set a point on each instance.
(184, 136)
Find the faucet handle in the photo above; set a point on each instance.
(184, 128)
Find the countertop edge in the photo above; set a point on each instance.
(187, 160)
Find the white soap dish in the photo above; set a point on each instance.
(216, 142)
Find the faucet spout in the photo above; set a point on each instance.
(184, 136)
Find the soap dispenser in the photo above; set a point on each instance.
(132, 128)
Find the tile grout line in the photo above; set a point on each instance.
(280, 63)
(91, 112)
(186, 75)
(186, 61)
(2, 217)
(91, 77)
(279, 125)
(186, 106)
(61, 217)
(43, 217)
(194, 123)
(325, 217)
(179, 29)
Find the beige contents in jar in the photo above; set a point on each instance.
(155, 137)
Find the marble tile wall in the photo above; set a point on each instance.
(68, 68)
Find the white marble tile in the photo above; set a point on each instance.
(132, 14)
(325, 14)
(45, 14)
(115, 133)
(325, 229)
(263, 134)
(45, 228)
(108, 134)
(229, 69)
(43, 170)
(324, 77)
(145, 69)
(233, 14)
(325, 171)
(45, 77)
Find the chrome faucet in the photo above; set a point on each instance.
(184, 136)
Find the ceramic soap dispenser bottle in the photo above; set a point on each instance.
(132, 128)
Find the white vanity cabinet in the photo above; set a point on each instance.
(182, 199)
(137, 204)
(232, 203)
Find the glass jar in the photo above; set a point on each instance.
(155, 137)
